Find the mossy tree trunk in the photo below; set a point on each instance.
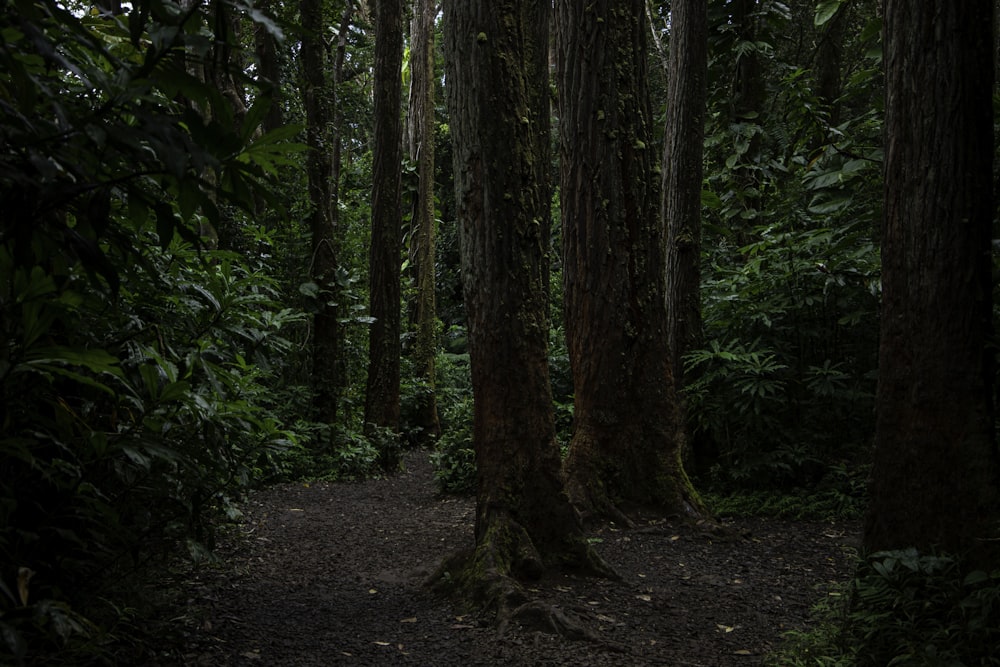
(497, 60)
(420, 146)
(628, 428)
(319, 99)
(934, 479)
(383, 392)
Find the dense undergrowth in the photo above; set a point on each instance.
(906, 609)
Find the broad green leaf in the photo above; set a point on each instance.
(97, 361)
(826, 10)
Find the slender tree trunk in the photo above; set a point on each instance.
(266, 51)
(684, 135)
(420, 145)
(830, 62)
(497, 59)
(319, 100)
(628, 428)
(747, 107)
(748, 78)
(934, 479)
(382, 397)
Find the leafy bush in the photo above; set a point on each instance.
(840, 495)
(906, 609)
(454, 458)
(919, 609)
(782, 386)
(784, 383)
(135, 362)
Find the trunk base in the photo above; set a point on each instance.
(488, 579)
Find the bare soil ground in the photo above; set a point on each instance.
(333, 574)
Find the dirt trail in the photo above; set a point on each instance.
(331, 574)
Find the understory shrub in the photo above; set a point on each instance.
(454, 458)
(906, 609)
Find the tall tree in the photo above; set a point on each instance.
(687, 72)
(269, 64)
(420, 146)
(748, 75)
(319, 99)
(628, 429)
(934, 479)
(830, 59)
(497, 69)
(382, 396)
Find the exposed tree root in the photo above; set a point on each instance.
(489, 579)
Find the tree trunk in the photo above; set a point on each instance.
(266, 51)
(382, 396)
(628, 429)
(687, 72)
(319, 100)
(497, 59)
(934, 479)
(830, 61)
(420, 144)
(748, 80)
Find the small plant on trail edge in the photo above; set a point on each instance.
(454, 458)
(906, 609)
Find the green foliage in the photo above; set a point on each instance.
(920, 609)
(454, 458)
(783, 385)
(840, 495)
(333, 453)
(147, 418)
(136, 362)
(907, 609)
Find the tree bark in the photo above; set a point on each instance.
(830, 62)
(420, 144)
(628, 429)
(497, 62)
(382, 396)
(266, 51)
(934, 479)
(687, 72)
(319, 99)
(748, 80)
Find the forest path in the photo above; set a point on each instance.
(331, 574)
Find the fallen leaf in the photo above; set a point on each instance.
(462, 626)
(725, 628)
(742, 651)
(372, 591)
(382, 643)
(645, 598)
(412, 619)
